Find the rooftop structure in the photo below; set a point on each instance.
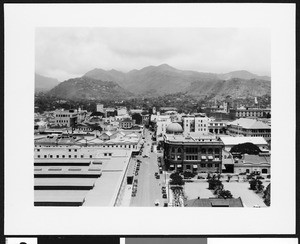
(214, 202)
(230, 141)
(174, 128)
(88, 181)
(249, 127)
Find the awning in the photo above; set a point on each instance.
(203, 157)
(179, 166)
(172, 166)
(195, 166)
(223, 166)
(210, 157)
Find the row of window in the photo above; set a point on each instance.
(63, 115)
(195, 150)
(107, 146)
(70, 156)
(191, 157)
(188, 166)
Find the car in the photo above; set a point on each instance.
(156, 203)
(157, 177)
(164, 195)
(163, 188)
(165, 204)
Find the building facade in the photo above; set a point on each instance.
(249, 127)
(201, 154)
(66, 118)
(195, 123)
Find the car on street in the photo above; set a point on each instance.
(156, 203)
(164, 195)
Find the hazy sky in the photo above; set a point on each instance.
(65, 53)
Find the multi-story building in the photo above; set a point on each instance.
(122, 111)
(244, 112)
(100, 108)
(127, 123)
(249, 127)
(66, 118)
(195, 123)
(196, 152)
(217, 126)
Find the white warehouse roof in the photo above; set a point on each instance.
(230, 140)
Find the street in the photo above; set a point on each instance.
(149, 188)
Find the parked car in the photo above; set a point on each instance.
(164, 195)
(156, 203)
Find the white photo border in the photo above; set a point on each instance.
(22, 218)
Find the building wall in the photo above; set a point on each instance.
(65, 118)
(195, 124)
(207, 157)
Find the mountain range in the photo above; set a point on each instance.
(163, 79)
(43, 83)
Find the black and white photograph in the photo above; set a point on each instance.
(134, 118)
(142, 117)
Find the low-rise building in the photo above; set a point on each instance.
(250, 128)
(244, 112)
(127, 123)
(231, 141)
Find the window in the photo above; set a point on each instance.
(203, 151)
(81, 156)
(38, 150)
(63, 156)
(216, 165)
(57, 156)
(203, 165)
(75, 150)
(38, 156)
(69, 156)
(105, 154)
(173, 150)
(109, 154)
(51, 156)
(75, 156)
(91, 156)
(264, 171)
(172, 156)
(209, 165)
(69, 150)
(179, 150)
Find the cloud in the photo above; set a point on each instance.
(65, 53)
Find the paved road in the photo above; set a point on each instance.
(149, 188)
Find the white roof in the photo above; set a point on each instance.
(230, 140)
(249, 124)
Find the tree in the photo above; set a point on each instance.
(248, 148)
(267, 195)
(176, 179)
(225, 194)
(213, 184)
(228, 177)
(138, 118)
(256, 185)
